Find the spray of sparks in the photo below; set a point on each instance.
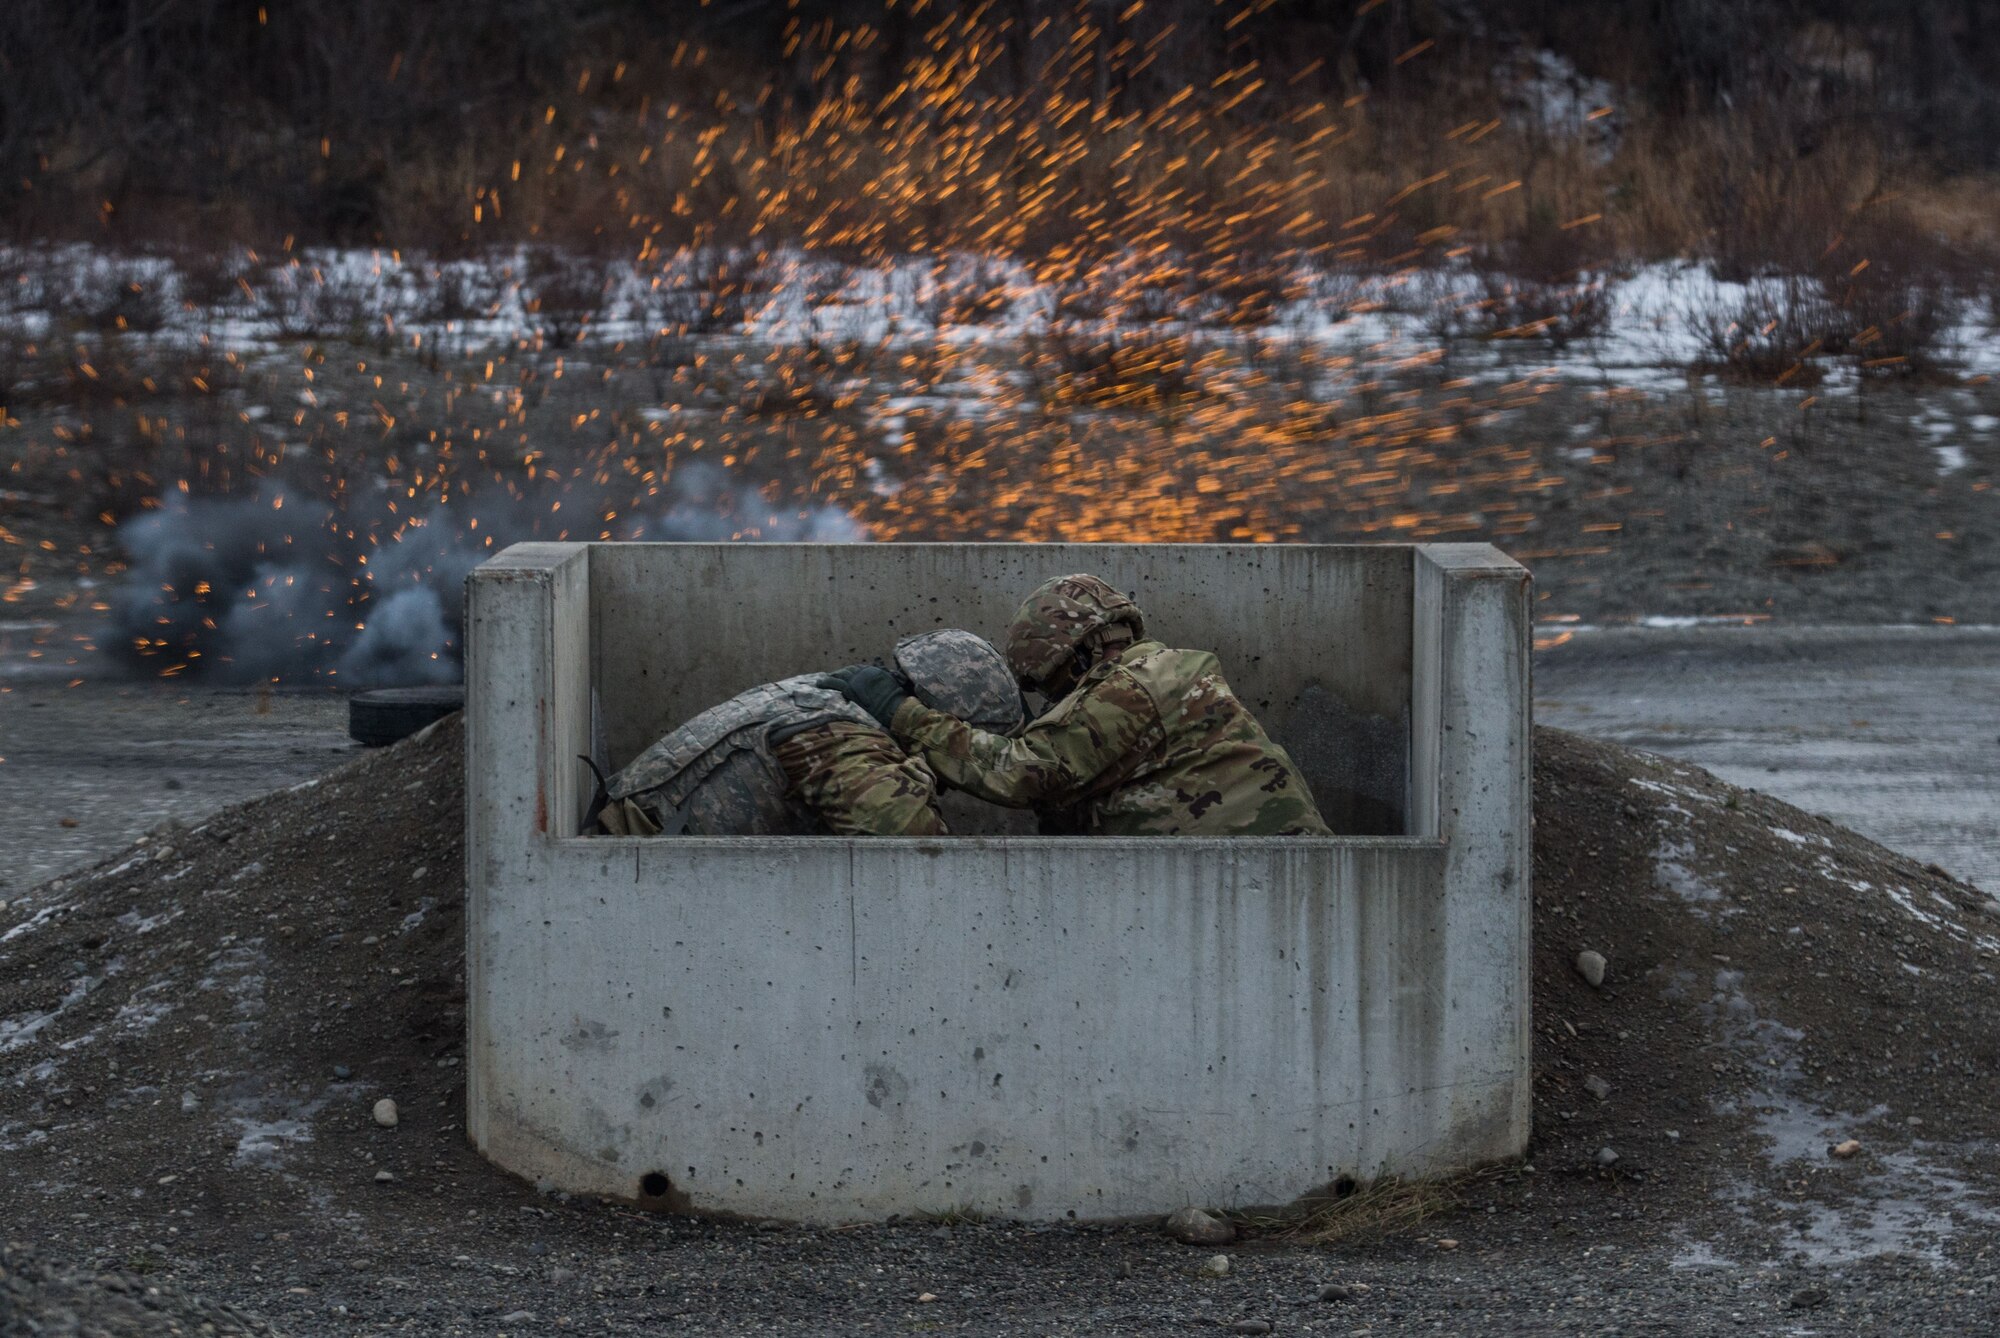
(946, 313)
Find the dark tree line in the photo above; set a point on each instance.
(202, 103)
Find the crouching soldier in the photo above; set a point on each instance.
(1142, 740)
(793, 758)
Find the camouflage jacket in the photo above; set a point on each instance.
(836, 771)
(1151, 743)
(859, 782)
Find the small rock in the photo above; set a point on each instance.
(1590, 965)
(189, 1103)
(1192, 1226)
(1607, 1157)
(927, 1298)
(371, 940)
(342, 1072)
(1597, 1087)
(1845, 1148)
(417, 874)
(173, 784)
(559, 1276)
(1334, 1291)
(1807, 1298)
(1447, 1244)
(384, 1177)
(385, 1113)
(1251, 1326)
(1215, 1266)
(518, 1317)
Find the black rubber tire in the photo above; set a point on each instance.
(384, 715)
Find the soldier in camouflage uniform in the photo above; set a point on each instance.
(792, 758)
(1142, 740)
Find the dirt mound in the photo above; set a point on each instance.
(194, 1033)
(41, 1300)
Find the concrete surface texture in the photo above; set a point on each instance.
(1319, 649)
(1893, 731)
(827, 1029)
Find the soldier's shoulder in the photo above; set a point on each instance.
(1163, 667)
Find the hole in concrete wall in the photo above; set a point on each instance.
(655, 1185)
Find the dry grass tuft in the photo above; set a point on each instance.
(1376, 1211)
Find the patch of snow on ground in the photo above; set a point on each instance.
(259, 1142)
(20, 1031)
(1662, 322)
(1672, 871)
(34, 922)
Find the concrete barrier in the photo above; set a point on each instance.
(829, 1029)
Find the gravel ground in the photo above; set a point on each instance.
(195, 1032)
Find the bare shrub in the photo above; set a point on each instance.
(1541, 286)
(1492, 304)
(957, 294)
(1080, 298)
(110, 294)
(1772, 335)
(14, 364)
(709, 291)
(846, 357)
(1237, 291)
(564, 295)
(210, 279)
(826, 284)
(1112, 369)
(1551, 313)
(451, 293)
(797, 385)
(306, 302)
(1898, 295)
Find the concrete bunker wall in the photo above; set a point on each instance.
(829, 1029)
(1316, 640)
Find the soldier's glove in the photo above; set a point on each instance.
(876, 691)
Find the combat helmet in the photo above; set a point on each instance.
(1058, 619)
(962, 675)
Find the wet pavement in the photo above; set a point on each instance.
(85, 769)
(1894, 732)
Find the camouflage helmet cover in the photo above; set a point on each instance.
(1056, 620)
(962, 675)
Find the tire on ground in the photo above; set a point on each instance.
(384, 715)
